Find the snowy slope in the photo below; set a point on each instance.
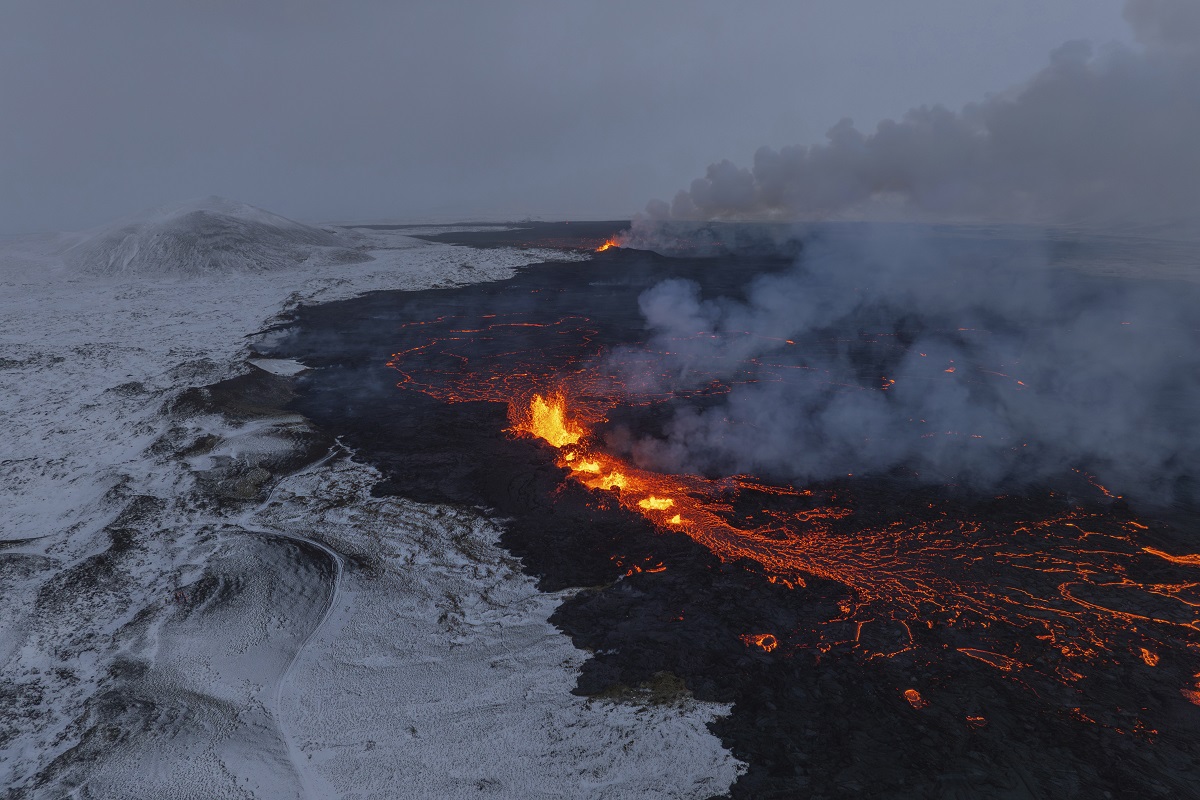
(204, 237)
(307, 640)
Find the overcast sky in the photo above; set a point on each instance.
(452, 110)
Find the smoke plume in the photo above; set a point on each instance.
(1098, 137)
(955, 354)
(967, 359)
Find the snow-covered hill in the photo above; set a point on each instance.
(212, 235)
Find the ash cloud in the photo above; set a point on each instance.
(1098, 137)
(990, 356)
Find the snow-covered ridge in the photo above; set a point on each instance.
(207, 236)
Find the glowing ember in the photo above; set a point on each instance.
(914, 699)
(765, 641)
(1149, 657)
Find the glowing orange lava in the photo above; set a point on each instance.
(1046, 598)
(653, 503)
(607, 244)
(764, 641)
(546, 419)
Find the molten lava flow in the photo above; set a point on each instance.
(607, 244)
(1055, 598)
(653, 503)
(1190, 560)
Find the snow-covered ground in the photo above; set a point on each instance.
(301, 639)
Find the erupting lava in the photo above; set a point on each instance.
(547, 420)
(607, 244)
(1035, 599)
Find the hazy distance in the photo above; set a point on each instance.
(414, 110)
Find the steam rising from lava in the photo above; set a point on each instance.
(958, 360)
(998, 368)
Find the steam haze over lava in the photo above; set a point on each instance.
(1002, 371)
(988, 367)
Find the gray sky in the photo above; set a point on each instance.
(411, 110)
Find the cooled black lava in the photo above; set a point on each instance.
(887, 666)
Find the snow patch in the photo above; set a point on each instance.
(278, 366)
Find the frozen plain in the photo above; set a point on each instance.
(287, 635)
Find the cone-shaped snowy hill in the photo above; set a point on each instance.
(202, 237)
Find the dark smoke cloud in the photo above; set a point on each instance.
(1109, 371)
(1095, 138)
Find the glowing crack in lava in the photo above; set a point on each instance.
(765, 641)
(1039, 600)
(914, 699)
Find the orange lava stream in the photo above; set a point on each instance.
(1064, 581)
(904, 575)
